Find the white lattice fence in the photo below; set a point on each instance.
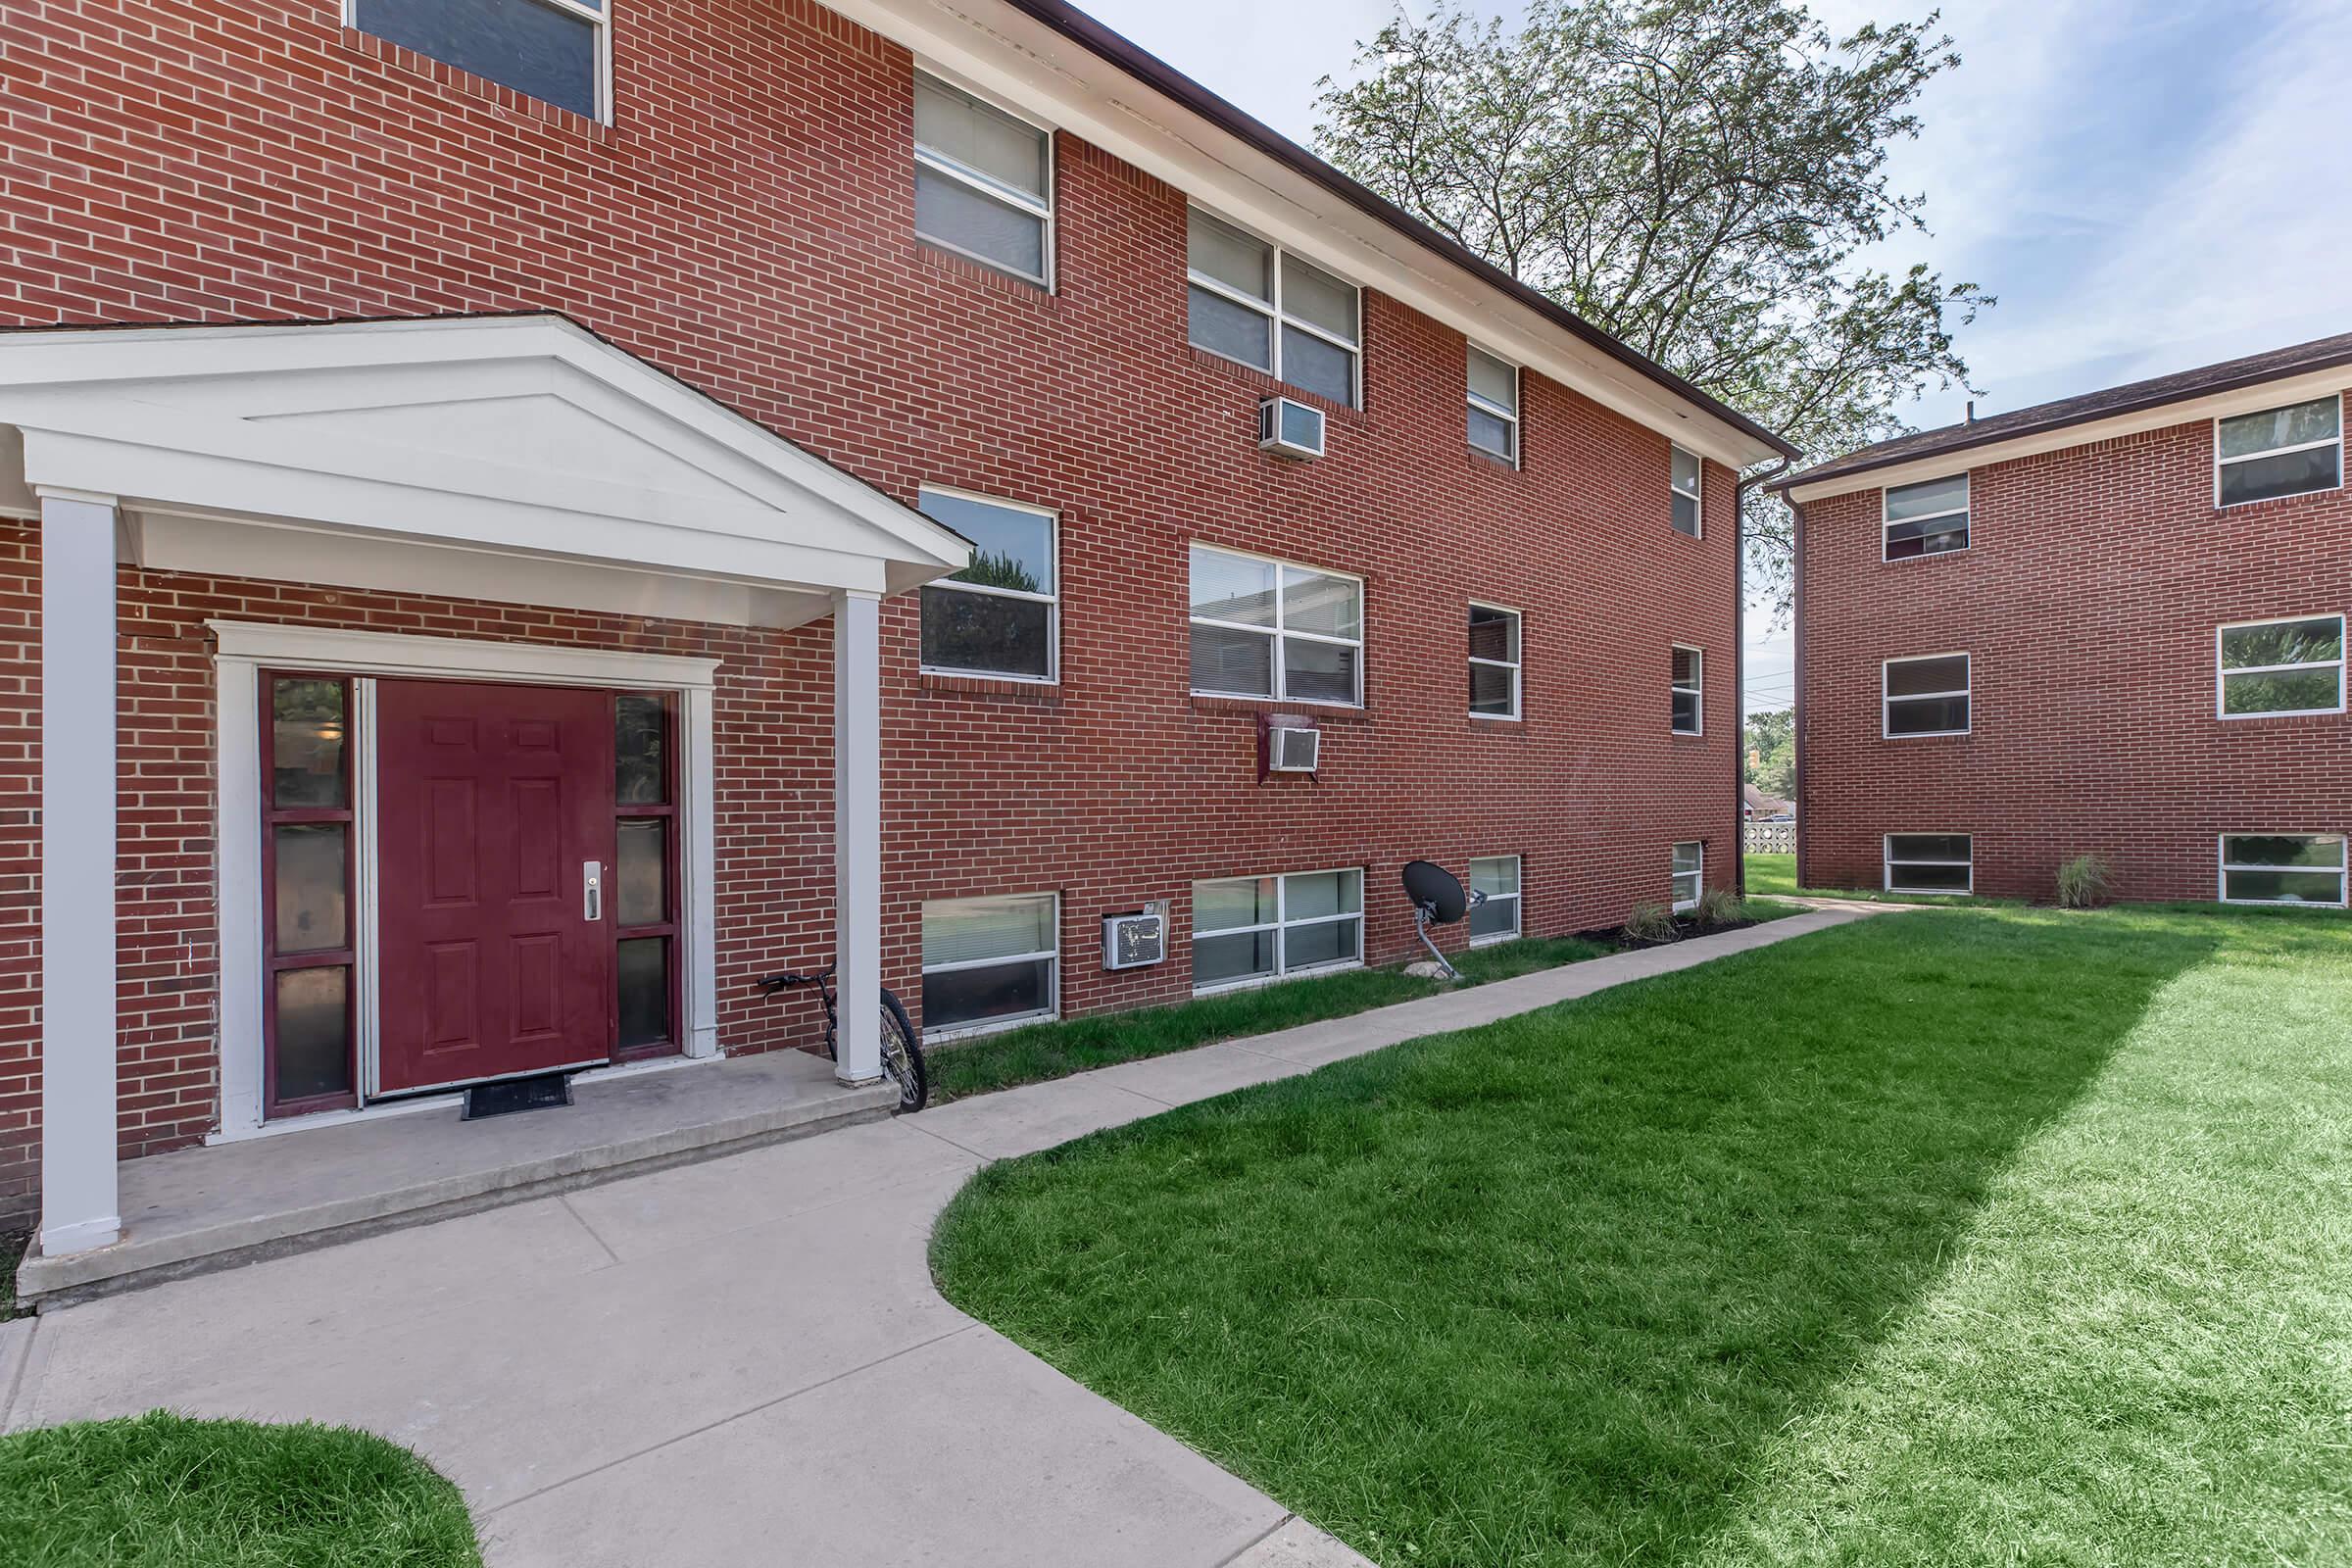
(1772, 838)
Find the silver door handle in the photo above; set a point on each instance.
(592, 890)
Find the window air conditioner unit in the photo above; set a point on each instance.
(1134, 941)
(1288, 429)
(1288, 744)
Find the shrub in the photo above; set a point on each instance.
(1721, 906)
(2086, 882)
(1650, 922)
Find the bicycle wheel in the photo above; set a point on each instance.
(903, 1056)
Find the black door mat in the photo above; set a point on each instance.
(517, 1095)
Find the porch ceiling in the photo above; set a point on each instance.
(515, 458)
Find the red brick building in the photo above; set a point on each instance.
(469, 478)
(2111, 625)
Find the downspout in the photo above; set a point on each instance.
(1740, 668)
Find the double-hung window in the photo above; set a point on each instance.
(1497, 918)
(990, 962)
(1684, 471)
(1493, 405)
(2282, 868)
(1258, 304)
(1927, 518)
(1690, 691)
(1265, 628)
(1494, 661)
(1263, 927)
(1690, 875)
(1929, 863)
(2279, 452)
(983, 181)
(1001, 615)
(1926, 696)
(557, 50)
(2272, 669)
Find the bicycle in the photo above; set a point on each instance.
(901, 1048)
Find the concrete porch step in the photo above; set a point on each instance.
(200, 1209)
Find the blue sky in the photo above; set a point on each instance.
(2145, 186)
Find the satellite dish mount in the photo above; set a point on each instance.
(1438, 899)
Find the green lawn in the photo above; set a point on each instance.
(1771, 874)
(1950, 1238)
(1043, 1050)
(164, 1492)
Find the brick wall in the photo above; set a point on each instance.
(2090, 595)
(746, 225)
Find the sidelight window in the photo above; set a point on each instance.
(645, 883)
(305, 865)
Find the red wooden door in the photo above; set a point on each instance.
(492, 801)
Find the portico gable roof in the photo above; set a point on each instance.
(507, 457)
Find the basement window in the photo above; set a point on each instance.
(1931, 863)
(1496, 919)
(2282, 868)
(557, 50)
(1690, 875)
(1255, 929)
(990, 963)
(2279, 452)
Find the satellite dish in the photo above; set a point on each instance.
(1438, 899)
(1435, 890)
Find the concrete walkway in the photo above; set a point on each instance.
(744, 1361)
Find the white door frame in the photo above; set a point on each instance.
(244, 649)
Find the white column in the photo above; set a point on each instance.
(857, 831)
(78, 1204)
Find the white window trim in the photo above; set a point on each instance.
(2223, 671)
(1278, 630)
(603, 52)
(1278, 317)
(1052, 601)
(244, 650)
(995, 190)
(2344, 871)
(1697, 492)
(1052, 955)
(1682, 906)
(1281, 925)
(1514, 665)
(2220, 462)
(1966, 509)
(1487, 406)
(1888, 862)
(1514, 900)
(1698, 689)
(1886, 700)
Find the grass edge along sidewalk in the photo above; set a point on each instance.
(1055, 1048)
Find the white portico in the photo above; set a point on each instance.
(518, 460)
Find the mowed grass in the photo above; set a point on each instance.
(1055, 1049)
(1770, 875)
(163, 1490)
(1066, 1045)
(1956, 1236)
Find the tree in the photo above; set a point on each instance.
(1769, 741)
(1699, 177)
